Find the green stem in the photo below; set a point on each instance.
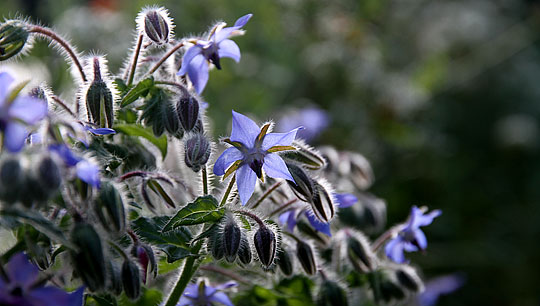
(136, 53)
(228, 191)
(190, 267)
(165, 57)
(282, 207)
(266, 194)
(205, 180)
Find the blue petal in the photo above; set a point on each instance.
(345, 200)
(222, 298)
(244, 130)
(279, 139)
(5, 82)
(21, 271)
(228, 48)
(188, 57)
(226, 159)
(243, 20)
(88, 173)
(245, 182)
(419, 219)
(318, 225)
(28, 109)
(14, 136)
(289, 218)
(66, 154)
(100, 131)
(197, 71)
(394, 250)
(192, 291)
(275, 167)
(439, 286)
(420, 238)
(54, 296)
(227, 285)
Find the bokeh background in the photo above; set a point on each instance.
(443, 97)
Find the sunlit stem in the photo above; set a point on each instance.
(63, 43)
(165, 57)
(63, 105)
(118, 249)
(266, 194)
(282, 207)
(228, 191)
(135, 59)
(252, 216)
(384, 237)
(190, 267)
(226, 273)
(204, 180)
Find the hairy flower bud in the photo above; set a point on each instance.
(390, 290)
(131, 279)
(331, 294)
(368, 215)
(188, 111)
(304, 187)
(99, 99)
(361, 172)
(215, 245)
(156, 26)
(285, 262)
(88, 258)
(109, 208)
(11, 178)
(305, 256)
(322, 204)
(197, 149)
(408, 278)
(244, 252)
(171, 120)
(49, 175)
(145, 255)
(359, 253)
(305, 155)
(115, 279)
(231, 238)
(13, 37)
(265, 244)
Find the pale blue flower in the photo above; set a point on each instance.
(205, 295)
(87, 171)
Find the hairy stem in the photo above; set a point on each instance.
(282, 207)
(252, 216)
(165, 57)
(190, 267)
(136, 53)
(228, 191)
(63, 105)
(385, 236)
(204, 180)
(63, 43)
(266, 194)
(226, 273)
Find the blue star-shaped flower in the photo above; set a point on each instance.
(87, 171)
(20, 286)
(290, 217)
(253, 151)
(195, 61)
(202, 294)
(17, 114)
(410, 237)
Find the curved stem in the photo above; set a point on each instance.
(228, 191)
(190, 267)
(165, 57)
(226, 273)
(118, 249)
(204, 180)
(282, 207)
(50, 34)
(178, 85)
(136, 53)
(385, 236)
(266, 194)
(63, 105)
(252, 216)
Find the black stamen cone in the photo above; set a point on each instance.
(256, 166)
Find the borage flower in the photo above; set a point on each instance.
(202, 294)
(20, 286)
(17, 114)
(253, 151)
(290, 218)
(410, 237)
(195, 61)
(87, 171)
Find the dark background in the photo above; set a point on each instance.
(441, 96)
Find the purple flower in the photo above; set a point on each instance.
(410, 237)
(290, 218)
(86, 171)
(440, 286)
(202, 294)
(218, 45)
(313, 118)
(345, 200)
(20, 287)
(17, 114)
(252, 152)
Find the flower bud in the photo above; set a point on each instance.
(408, 278)
(13, 38)
(88, 258)
(244, 252)
(390, 290)
(265, 244)
(171, 120)
(368, 215)
(359, 253)
(131, 279)
(157, 26)
(145, 255)
(109, 208)
(285, 262)
(49, 175)
(115, 279)
(304, 186)
(231, 238)
(32, 191)
(361, 172)
(332, 294)
(305, 155)
(305, 256)
(99, 99)
(11, 178)
(197, 151)
(322, 204)
(188, 111)
(215, 246)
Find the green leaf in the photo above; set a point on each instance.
(150, 230)
(175, 253)
(138, 130)
(203, 209)
(140, 90)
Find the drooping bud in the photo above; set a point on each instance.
(305, 155)
(332, 294)
(49, 175)
(285, 262)
(304, 187)
(11, 177)
(408, 278)
(359, 253)
(109, 208)
(215, 245)
(146, 258)
(390, 290)
(197, 149)
(361, 172)
(265, 244)
(188, 112)
(13, 37)
(305, 256)
(155, 24)
(115, 279)
(322, 204)
(99, 99)
(368, 215)
(244, 252)
(131, 279)
(231, 238)
(171, 120)
(88, 258)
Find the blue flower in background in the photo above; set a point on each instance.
(345, 200)
(86, 171)
(19, 287)
(314, 119)
(202, 294)
(410, 237)
(195, 61)
(16, 115)
(253, 151)
(290, 218)
(438, 286)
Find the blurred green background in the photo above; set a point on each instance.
(442, 97)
